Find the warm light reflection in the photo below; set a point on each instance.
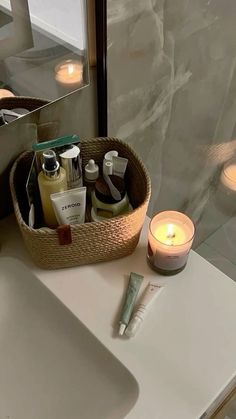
(69, 73)
(170, 234)
(6, 93)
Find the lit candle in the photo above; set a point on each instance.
(6, 93)
(228, 174)
(170, 239)
(69, 73)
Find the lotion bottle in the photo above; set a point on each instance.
(51, 179)
(91, 173)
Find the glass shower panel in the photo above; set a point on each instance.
(171, 95)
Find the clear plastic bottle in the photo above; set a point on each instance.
(91, 173)
(51, 179)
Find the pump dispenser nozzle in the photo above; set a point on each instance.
(51, 179)
(50, 165)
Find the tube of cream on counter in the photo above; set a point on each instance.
(149, 296)
(119, 166)
(130, 298)
(69, 206)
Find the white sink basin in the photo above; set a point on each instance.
(51, 366)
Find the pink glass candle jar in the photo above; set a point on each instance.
(69, 73)
(170, 239)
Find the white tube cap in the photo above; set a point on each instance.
(133, 326)
(110, 154)
(107, 167)
(91, 170)
(122, 329)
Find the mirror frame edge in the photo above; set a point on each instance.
(101, 53)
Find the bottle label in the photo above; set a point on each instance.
(166, 261)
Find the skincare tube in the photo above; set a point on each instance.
(69, 206)
(130, 298)
(149, 296)
(119, 166)
(108, 158)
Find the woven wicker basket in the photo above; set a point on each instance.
(91, 242)
(30, 103)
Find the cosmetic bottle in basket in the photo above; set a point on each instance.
(104, 204)
(51, 179)
(91, 173)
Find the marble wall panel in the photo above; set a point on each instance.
(172, 95)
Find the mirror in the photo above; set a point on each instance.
(43, 53)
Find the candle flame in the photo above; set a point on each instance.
(70, 69)
(170, 231)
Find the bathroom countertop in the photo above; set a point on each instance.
(184, 354)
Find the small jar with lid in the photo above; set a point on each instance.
(104, 206)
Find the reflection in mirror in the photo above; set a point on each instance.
(43, 52)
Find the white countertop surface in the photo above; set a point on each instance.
(184, 354)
